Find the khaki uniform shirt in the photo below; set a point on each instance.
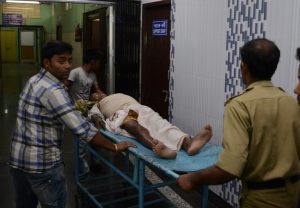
(261, 134)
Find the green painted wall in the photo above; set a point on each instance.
(68, 18)
(58, 14)
(44, 20)
(73, 16)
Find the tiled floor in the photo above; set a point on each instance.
(12, 81)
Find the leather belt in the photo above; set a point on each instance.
(271, 184)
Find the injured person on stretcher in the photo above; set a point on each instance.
(124, 115)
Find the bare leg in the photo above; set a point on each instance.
(192, 146)
(164, 151)
(143, 136)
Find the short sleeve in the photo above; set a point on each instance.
(237, 125)
(72, 75)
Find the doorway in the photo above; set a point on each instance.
(95, 36)
(155, 56)
(9, 44)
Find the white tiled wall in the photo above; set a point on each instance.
(199, 69)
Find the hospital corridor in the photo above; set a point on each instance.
(12, 81)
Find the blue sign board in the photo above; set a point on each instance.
(12, 19)
(160, 27)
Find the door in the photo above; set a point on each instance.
(8, 45)
(27, 45)
(95, 36)
(155, 57)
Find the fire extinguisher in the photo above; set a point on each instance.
(78, 34)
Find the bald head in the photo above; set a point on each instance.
(261, 57)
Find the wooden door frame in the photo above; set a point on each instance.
(87, 26)
(110, 47)
(157, 3)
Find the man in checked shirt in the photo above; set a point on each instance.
(44, 110)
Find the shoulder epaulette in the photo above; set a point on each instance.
(231, 98)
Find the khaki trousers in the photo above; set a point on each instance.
(285, 197)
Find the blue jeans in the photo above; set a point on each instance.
(49, 188)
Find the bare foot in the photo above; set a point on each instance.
(198, 141)
(163, 151)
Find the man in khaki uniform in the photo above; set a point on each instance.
(297, 90)
(261, 136)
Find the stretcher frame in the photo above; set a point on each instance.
(137, 179)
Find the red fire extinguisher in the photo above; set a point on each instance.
(78, 34)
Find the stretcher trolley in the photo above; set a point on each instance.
(125, 184)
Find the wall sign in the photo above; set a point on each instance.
(12, 19)
(160, 27)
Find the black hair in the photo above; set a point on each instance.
(55, 47)
(91, 54)
(261, 56)
(298, 54)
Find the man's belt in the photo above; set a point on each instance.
(271, 184)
